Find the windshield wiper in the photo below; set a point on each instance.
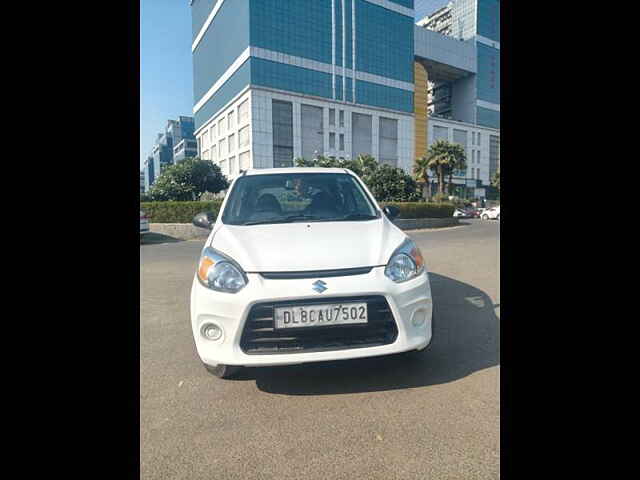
(289, 219)
(354, 216)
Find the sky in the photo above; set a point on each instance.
(166, 72)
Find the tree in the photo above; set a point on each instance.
(421, 172)
(387, 183)
(391, 184)
(495, 181)
(443, 158)
(188, 180)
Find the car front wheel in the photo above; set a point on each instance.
(485, 217)
(223, 371)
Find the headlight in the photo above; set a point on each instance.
(219, 272)
(405, 263)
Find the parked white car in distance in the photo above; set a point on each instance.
(144, 223)
(491, 213)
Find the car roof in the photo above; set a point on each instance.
(274, 171)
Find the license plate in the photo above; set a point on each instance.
(320, 315)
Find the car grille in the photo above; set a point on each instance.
(260, 337)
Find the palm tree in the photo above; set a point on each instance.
(459, 161)
(495, 181)
(421, 173)
(441, 159)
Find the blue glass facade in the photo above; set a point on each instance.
(384, 42)
(487, 117)
(488, 21)
(240, 79)
(291, 78)
(303, 29)
(200, 10)
(385, 97)
(225, 39)
(488, 76)
(404, 3)
(296, 27)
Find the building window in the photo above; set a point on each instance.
(223, 167)
(478, 138)
(342, 141)
(232, 166)
(205, 155)
(440, 133)
(222, 148)
(231, 119)
(494, 155)
(332, 117)
(212, 132)
(232, 143)
(244, 161)
(342, 118)
(205, 139)
(214, 157)
(473, 152)
(243, 137)
(388, 141)
(312, 131)
(332, 140)
(243, 112)
(361, 128)
(473, 138)
(220, 128)
(282, 118)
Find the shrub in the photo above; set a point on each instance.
(177, 212)
(387, 183)
(188, 180)
(422, 209)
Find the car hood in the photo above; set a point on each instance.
(304, 246)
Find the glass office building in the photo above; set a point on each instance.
(275, 80)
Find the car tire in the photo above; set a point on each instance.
(485, 217)
(223, 371)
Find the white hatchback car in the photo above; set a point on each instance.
(144, 223)
(491, 213)
(302, 265)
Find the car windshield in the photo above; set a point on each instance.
(297, 197)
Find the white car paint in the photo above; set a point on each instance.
(144, 223)
(307, 246)
(491, 213)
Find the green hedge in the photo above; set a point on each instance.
(422, 209)
(183, 212)
(177, 212)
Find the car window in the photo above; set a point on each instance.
(277, 198)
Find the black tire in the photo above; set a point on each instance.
(223, 371)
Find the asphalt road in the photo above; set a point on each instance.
(434, 416)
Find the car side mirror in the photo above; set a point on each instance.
(391, 211)
(204, 220)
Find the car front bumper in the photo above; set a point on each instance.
(230, 312)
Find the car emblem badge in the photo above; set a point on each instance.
(319, 286)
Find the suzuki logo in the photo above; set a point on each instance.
(319, 286)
